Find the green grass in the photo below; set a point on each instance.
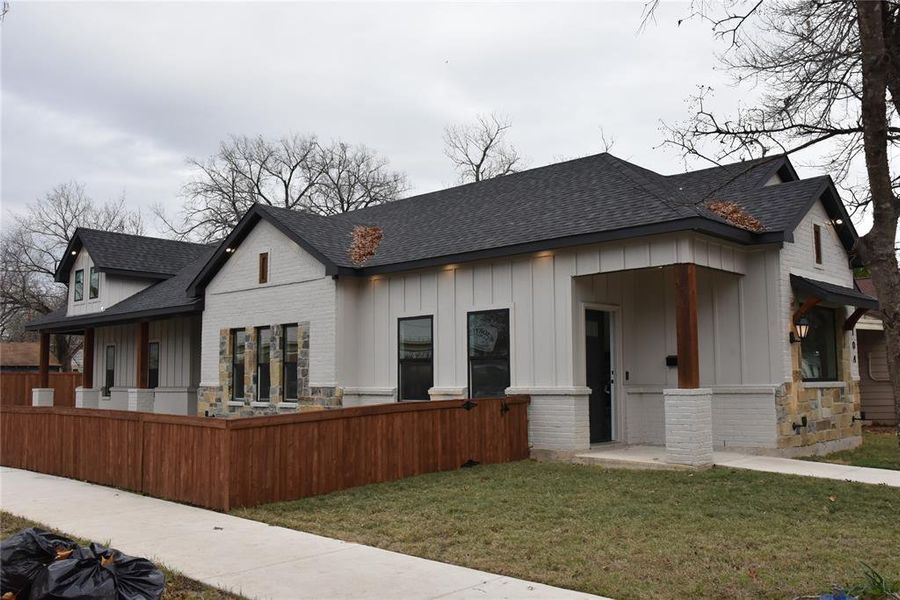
(880, 449)
(717, 533)
(178, 587)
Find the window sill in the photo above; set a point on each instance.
(235, 403)
(256, 404)
(824, 384)
(287, 405)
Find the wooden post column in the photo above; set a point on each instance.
(686, 326)
(87, 372)
(143, 343)
(44, 361)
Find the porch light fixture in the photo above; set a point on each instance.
(229, 250)
(801, 327)
(74, 252)
(838, 221)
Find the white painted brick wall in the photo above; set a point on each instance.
(559, 422)
(645, 416)
(689, 439)
(744, 417)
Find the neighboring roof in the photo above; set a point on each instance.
(867, 287)
(23, 354)
(129, 255)
(835, 294)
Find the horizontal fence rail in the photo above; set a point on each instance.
(15, 387)
(223, 464)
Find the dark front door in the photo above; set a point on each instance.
(599, 373)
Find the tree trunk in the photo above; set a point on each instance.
(876, 248)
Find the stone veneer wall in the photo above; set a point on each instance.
(829, 411)
(217, 400)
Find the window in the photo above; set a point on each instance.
(263, 267)
(95, 284)
(153, 365)
(263, 376)
(488, 333)
(238, 341)
(109, 379)
(818, 349)
(817, 242)
(289, 352)
(415, 357)
(79, 285)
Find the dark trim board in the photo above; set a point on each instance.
(78, 323)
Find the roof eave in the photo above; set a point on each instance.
(79, 323)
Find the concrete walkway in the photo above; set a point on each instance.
(248, 557)
(653, 457)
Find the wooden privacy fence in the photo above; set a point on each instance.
(224, 464)
(15, 388)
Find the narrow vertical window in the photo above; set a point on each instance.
(79, 285)
(238, 340)
(415, 357)
(263, 267)
(263, 375)
(817, 241)
(153, 365)
(109, 366)
(95, 284)
(488, 333)
(290, 352)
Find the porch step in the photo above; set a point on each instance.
(628, 457)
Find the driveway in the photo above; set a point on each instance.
(248, 557)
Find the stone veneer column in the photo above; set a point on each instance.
(689, 439)
(250, 366)
(303, 359)
(276, 366)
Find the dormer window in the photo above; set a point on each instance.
(95, 284)
(79, 285)
(263, 267)
(817, 242)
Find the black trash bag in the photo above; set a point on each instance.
(99, 573)
(24, 555)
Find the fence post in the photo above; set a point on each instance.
(225, 462)
(140, 454)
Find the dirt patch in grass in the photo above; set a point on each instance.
(178, 587)
(717, 533)
(880, 449)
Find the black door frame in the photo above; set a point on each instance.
(614, 324)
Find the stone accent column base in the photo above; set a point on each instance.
(558, 418)
(87, 398)
(689, 439)
(42, 396)
(140, 400)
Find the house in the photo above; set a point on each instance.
(709, 309)
(23, 357)
(876, 395)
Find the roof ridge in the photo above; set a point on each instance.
(136, 235)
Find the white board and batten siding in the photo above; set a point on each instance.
(113, 288)
(297, 290)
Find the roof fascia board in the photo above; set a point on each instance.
(61, 275)
(69, 325)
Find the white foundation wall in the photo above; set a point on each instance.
(113, 288)
(297, 290)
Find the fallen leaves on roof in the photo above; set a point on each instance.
(364, 244)
(735, 215)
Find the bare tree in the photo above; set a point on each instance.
(479, 150)
(33, 245)
(294, 172)
(827, 69)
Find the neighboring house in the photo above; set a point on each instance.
(631, 306)
(23, 357)
(876, 393)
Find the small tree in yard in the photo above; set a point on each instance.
(32, 245)
(829, 71)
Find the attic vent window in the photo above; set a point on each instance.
(364, 243)
(735, 215)
(263, 267)
(817, 243)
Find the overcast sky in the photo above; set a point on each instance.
(118, 95)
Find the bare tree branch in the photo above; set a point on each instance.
(479, 150)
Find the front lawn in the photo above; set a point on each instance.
(178, 587)
(879, 449)
(717, 533)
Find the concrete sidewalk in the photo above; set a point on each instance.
(653, 457)
(248, 557)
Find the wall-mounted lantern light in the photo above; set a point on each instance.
(801, 329)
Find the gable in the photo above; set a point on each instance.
(800, 254)
(287, 262)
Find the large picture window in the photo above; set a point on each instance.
(95, 284)
(263, 352)
(153, 365)
(819, 358)
(488, 348)
(79, 285)
(290, 352)
(109, 379)
(415, 346)
(238, 341)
